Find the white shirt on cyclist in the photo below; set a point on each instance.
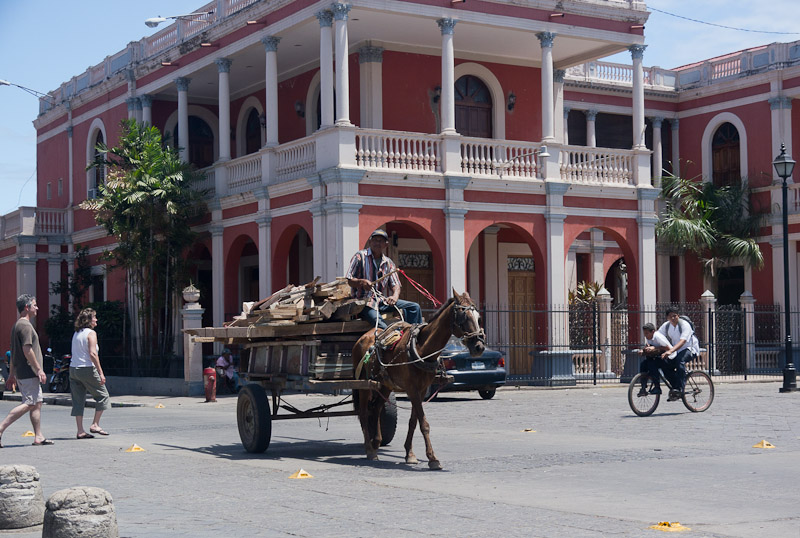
(658, 340)
(676, 333)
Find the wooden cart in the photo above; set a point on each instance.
(309, 357)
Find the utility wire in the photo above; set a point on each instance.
(720, 25)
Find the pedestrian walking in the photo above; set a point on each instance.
(86, 374)
(26, 370)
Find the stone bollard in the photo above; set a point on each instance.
(21, 500)
(83, 512)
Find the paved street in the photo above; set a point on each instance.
(591, 468)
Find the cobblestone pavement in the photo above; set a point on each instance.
(590, 468)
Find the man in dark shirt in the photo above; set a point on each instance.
(372, 264)
(26, 368)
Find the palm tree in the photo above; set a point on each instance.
(717, 224)
(147, 204)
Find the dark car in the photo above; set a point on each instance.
(484, 373)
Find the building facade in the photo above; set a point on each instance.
(488, 140)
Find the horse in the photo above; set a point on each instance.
(410, 365)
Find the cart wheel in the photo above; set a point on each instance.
(487, 394)
(389, 420)
(253, 418)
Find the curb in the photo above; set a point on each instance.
(67, 401)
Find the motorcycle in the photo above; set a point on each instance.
(59, 381)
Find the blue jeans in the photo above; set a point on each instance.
(411, 313)
(674, 369)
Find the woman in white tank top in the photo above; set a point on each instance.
(86, 374)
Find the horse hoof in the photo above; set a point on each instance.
(412, 461)
(434, 465)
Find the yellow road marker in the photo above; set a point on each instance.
(301, 474)
(529, 430)
(135, 448)
(666, 526)
(28, 434)
(159, 406)
(764, 444)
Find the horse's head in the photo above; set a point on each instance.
(467, 324)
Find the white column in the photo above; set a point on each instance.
(217, 274)
(598, 250)
(456, 252)
(271, 87)
(708, 304)
(781, 116)
(319, 244)
(131, 103)
(558, 106)
(747, 302)
(657, 151)
(325, 18)
(591, 128)
(26, 274)
(566, 125)
(546, 40)
(183, 116)
(370, 61)
(137, 109)
(447, 101)
(224, 105)
(674, 124)
(340, 12)
(70, 177)
(556, 283)
(637, 53)
(264, 257)
(192, 314)
(147, 109)
(647, 221)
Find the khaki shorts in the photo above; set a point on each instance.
(31, 390)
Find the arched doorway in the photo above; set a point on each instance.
(473, 107)
(252, 132)
(201, 142)
(725, 156)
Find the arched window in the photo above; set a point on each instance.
(201, 142)
(725, 156)
(473, 107)
(252, 133)
(99, 172)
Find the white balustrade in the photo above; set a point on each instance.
(237, 5)
(601, 166)
(726, 68)
(208, 184)
(244, 173)
(296, 159)
(161, 40)
(395, 150)
(51, 221)
(480, 156)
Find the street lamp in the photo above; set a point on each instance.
(30, 91)
(155, 21)
(784, 165)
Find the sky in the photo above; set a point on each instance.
(44, 43)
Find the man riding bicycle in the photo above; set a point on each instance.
(673, 360)
(656, 344)
(371, 265)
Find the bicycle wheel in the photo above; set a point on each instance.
(699, 392)
(645, 404)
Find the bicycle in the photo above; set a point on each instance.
(697, 395)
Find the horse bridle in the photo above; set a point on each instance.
(460, 318)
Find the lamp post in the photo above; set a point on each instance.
(784, 165)
(155, 21)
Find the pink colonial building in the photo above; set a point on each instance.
(485, 136)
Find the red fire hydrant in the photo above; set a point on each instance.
(210, 384)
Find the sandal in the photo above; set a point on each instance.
(1, 440)
(99, 431)
(43, 443)
(85, 435)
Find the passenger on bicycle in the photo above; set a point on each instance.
(657, 343)
(680, 335)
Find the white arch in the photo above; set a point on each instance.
(312, 96)
(495, 88)
(97, 125)
(241, 123)
(708, 138)
(204, 114)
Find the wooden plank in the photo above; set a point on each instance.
(282, 343)
(315, 414)
(358, 384)
(291, 330)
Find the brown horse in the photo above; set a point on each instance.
(410, 366)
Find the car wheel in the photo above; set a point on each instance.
(487, 394)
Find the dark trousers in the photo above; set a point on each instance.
(411, 313)
(674, 369)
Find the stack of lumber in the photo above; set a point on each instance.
(309, 303)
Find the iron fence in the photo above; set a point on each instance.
(594, 343)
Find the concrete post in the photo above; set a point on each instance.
(708, 304)
(147, 109)
(224, 105)
(591, 128)
(657, 152)
(448, 100)
(548, 90)
(183, 116)
(192, 314)
(80, 512)
(325, 67)
(21, 499)
(604, 332)
(342, 49)
(637, 54)
(271, 87)
(674, 125)
(747, 302)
